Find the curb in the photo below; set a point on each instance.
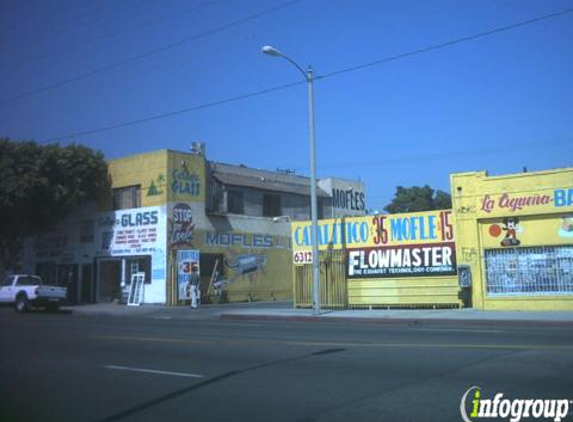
(409, 322)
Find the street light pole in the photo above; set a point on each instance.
(313, 198)
(309, 77)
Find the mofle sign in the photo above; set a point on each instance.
(406, 246)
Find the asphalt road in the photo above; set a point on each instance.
(62, 367)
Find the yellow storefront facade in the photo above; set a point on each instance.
(514, 234)
(398, 260)
(158, 217)
(243, 257)
(506, 244)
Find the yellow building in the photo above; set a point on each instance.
(241, 253)
(168, 211)
(514, 235)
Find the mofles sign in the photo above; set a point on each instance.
(348, 199)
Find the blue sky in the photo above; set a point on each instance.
(496, 103)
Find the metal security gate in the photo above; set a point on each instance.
(530, 271)
(333, 285)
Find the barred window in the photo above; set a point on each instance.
(127, 197)
(271, 205)
(235, 203)
(532, 271)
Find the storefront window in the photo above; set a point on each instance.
(271, 205)
(533, 271)
(235, 203)
(127, 197)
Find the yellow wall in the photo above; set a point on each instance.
(186, 178)
(164, 176)
(382, 284)
(271, 280)
(146, 170)
(543, 204)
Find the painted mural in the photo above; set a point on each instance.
(181, 226)
(243, 257)
(156, 186)
(186, 260)
(185, 179)
(253, 265)
(566, 229)
(185, 182)
(528, 231)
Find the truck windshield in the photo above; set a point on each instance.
(8, 281)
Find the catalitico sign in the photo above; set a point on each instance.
(399, 245)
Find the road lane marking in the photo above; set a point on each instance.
(459, 330)
(442, 346)
(155, 339)
(251, 342)
(153, 371)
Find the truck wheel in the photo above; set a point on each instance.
(22, 304)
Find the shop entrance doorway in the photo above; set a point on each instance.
(109, 279)
(68, 277)
(47, 270)
(87, 291)
(114, 276)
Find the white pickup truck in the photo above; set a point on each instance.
(25, 290)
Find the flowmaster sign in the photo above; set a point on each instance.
(403, 260)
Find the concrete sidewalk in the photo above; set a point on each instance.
(466, 317)
(283, 311)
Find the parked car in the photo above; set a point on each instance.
(25, 291)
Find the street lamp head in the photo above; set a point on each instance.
(271, 51)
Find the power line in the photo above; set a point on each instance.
(175, 113)
(121, 31)
(75, 21)
(319, 77)
(149, 53)
(445, 155)
(446, 44)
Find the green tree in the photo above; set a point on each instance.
(418, 198)
(39, 185)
